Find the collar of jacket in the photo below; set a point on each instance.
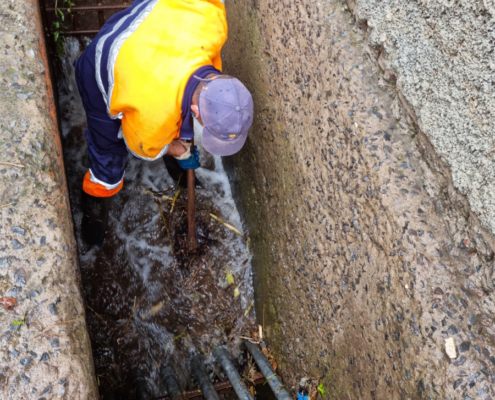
(186, 129)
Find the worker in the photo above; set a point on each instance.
(151, 69)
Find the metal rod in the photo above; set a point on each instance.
(82, 32)
(198, 370)
(102, 7)
(169, 378)
(238, 384)
(101, 17)
(192, 240)
(266, 369)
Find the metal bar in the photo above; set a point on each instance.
(238, 384)
(101, 17)
(101, 7)
(169, 378)
(82, 32)
(219, 387)
(266, 369)
(199, 372)
(192, 240)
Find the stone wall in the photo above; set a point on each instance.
(443, 55)
(366, 256)
(44, 346)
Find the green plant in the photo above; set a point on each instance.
(21, 322)
(58, 23)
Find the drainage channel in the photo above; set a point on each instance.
(156, 313)
(150, 303)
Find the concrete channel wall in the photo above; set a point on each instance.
(368, 259)
(45, 350)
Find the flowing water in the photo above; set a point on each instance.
(149, 302)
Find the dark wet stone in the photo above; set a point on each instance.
(43, 240)
(26, 361)
(404, 165)
(25, 379)
(460, 361)
(52, 309)
(421, 232)
(55, 342)
(20, 277)
(452, 330)
(16, 245)
(477, 348)
(18, 230)
(492, 360)
(62, 381)
(464, 346)
(473, 319)
(464, 303)
(473, 377)
(345, 228)
(478, 268)
(457, 383)
(48, 389)
(400, 318)
(44, 357)
(486, 371)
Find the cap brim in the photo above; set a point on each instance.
(220, 147)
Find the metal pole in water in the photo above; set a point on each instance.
(266, 369)
(168, 377)
(192, 240)
(199, 372)
(238, 384)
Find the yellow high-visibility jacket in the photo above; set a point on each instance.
(144, 60)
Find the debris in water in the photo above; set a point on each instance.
(8, 302)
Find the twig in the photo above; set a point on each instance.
(133, 311)
(8, 204)
(174, 200)
(98, 315)
(227, 225)
(204, 262)
(12, 165)
(54, 325)
(166, 228)
(250, 339)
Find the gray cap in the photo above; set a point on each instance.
(226, 108)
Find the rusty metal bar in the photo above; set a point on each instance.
(192, 240)
(82, 32)
(101, 7)
(219, 387)
(101, 17)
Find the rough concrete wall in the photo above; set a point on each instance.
(44, 347)
(366, 257)
(443, 54)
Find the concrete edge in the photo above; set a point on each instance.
(44, 343)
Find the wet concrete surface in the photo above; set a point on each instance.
(148, 302)
(45, 351)
(366, 258)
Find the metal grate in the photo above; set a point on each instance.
(85, 17)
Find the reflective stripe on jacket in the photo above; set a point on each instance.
(144, 60)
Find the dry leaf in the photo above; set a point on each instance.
(265, 352)
(8, 302)
(274, 364)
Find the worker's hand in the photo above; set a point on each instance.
(190, 159)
